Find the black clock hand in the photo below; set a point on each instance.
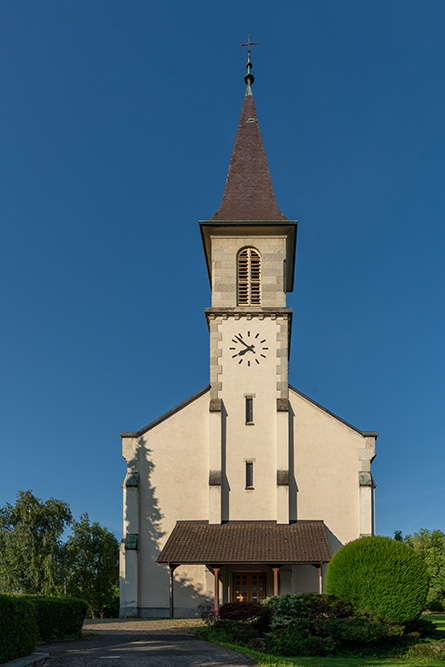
(241, 340)
(249, 347)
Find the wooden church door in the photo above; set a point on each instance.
(250, 586)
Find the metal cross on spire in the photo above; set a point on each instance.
(249, 78)
(249, 44)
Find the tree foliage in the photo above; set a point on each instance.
(30, 544)
(430, 545)
(92, 564)
(381, 576)
(35, 561)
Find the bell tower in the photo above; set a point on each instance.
(249, 246)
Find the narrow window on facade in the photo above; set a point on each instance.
(249, 409)
(249, 475)
(249, 277)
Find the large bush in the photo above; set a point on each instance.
(309, 606)
(241, 611)
(58, 617)
(306, 624)
(380, 576)
(311, 625)
(18, 627)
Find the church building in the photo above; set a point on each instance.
(245, 489)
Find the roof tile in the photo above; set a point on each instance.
(247, 542)
(248, 193)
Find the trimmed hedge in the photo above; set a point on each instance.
(382, 577)
(18, 627)
(58, 617)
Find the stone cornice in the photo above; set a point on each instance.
(254, 311)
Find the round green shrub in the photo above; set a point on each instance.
(382, 577)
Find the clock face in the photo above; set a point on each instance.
(249, 348)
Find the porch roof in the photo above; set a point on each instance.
(242, 542)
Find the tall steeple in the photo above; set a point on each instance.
(248, 192)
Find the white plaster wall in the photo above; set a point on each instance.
(255, 442)
(173, 464)
(173, 486)
(326, 469)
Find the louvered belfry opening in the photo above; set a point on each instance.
(249, 277)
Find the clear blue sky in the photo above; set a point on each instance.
(117, 125)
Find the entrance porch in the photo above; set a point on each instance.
(246, 557)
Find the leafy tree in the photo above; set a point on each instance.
(92, 562)
(30, 545)
(430, 545)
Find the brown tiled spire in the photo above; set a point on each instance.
(248, 193)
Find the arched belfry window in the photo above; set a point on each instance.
(249, 277)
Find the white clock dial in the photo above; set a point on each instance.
(249, 348)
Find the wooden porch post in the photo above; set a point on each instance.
(319, 569)
(172, 602)
(275, 579)
(320, 578)
(216, 587)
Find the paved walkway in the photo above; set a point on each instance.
(138, 643)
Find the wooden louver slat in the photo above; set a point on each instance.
(249, 277)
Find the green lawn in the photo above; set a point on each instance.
(439, 621)
(273, 661)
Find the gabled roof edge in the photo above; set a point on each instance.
(166, 415)
(365, 434)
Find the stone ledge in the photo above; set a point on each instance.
(131, 542)
(365, 479)
(215, 478)
(282, 478)
(215, 405)
(131, 480)
(282, 405)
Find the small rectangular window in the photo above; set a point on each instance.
(249, 475)
(249, 410)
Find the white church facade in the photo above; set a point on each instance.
(246, 488)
